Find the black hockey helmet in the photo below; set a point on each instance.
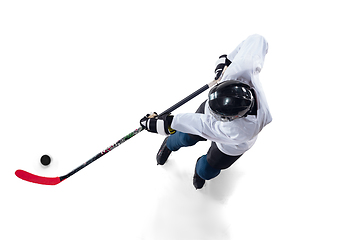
(230, 100)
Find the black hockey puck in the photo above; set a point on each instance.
(45, 160)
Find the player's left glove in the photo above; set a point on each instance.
(220, 65)
(161, 125)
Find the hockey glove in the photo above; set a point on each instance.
(154, 123)
(220, 65)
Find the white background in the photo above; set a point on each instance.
(76, 76)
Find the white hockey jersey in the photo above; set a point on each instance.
(235, 137)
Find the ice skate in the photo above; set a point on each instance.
(198, 182)
(163, 153)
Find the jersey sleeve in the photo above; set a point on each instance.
(208, 127)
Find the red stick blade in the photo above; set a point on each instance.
(36, 179)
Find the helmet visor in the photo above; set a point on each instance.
(222, 118)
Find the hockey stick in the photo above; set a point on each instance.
(24, 175)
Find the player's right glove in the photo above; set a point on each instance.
(155, 124)
(220, 65)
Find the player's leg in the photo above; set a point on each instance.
(173, 143)
(210, 165)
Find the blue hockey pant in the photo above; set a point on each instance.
(209, 165)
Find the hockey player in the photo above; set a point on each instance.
(231, 118)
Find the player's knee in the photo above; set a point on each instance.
(204, 170)
(186, 140)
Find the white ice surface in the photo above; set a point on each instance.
(76, 76)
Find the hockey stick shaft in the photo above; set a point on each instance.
(135, 132)
(127, 137)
